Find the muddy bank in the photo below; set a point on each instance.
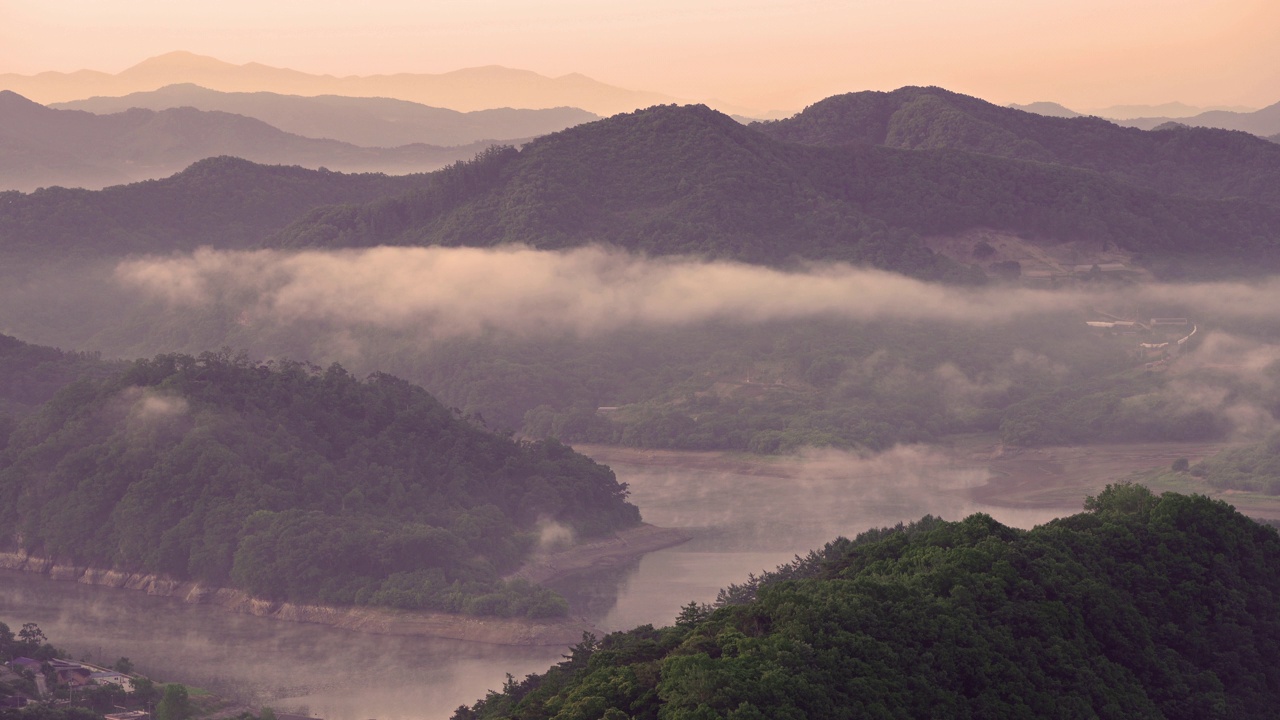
(710, 460)
(600, 553)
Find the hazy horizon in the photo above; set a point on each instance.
(763, 55)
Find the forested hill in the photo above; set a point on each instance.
(31, 374)
(690, 180)
(1198, 162)
(1142, 607)
(224, 202)
(294, 484)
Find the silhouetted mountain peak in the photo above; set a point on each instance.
(1048, 109)
(11, 101)
(177, 61)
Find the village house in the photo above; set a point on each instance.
(111, 677)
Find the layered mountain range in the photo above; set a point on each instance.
(467, 89)
(1259, 122)
(41, 146)
(369, 122)
(1264, 122)
(863, 177)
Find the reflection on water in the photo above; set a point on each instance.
(335, 674)
(744, 519)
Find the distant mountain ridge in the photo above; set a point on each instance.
(1049, 109)
(368, 122)
(1171, 110)
(468, 89)
(1264, 122)
(43, 147)
(1190, 161)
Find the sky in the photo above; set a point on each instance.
(766, 54)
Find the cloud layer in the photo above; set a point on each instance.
(444, 292)
(462, 291)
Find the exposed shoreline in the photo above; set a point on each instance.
(595, 554)
(600, 553)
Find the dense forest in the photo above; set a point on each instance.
(688, 180)
(1140, 607)
(30, 375)
(295, 483)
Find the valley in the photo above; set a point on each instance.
(514, 393)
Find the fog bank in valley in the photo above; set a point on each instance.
(440, 292)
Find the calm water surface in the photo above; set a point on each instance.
(741, 521)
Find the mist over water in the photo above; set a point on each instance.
(745, 517)
(749, 517)
(335, 674)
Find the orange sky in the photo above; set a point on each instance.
(757, 53)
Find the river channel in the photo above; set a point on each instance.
(744, 516)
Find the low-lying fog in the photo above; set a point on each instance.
(255, 298)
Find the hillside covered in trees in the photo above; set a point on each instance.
(224, 202)
(1140, 607)
(32, 374)
(689, 180)
(293, 483)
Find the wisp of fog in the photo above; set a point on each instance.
(443, 292)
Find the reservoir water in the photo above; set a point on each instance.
(744, 517)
